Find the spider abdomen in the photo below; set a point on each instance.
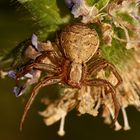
(79, 42)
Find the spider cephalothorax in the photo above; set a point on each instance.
(69, 60)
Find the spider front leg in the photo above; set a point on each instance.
(105, 83)
(44, 82)
(32, 72)
(39, 64)
(101, 64)
(36, 66)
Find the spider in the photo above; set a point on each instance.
(73, 61)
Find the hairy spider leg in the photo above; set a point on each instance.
(84, 72)
(37, 64)
(101, 64)
(44, 82)
(105, 83)
(53, 56)
(38, 68)
(58, 42)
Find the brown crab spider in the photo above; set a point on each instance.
(76, 45)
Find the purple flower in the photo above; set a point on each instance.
(69, 3)
(80, 8)
(35, 41)
(73, 3)
(12, 74)
(18, 91)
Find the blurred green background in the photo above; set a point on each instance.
(15, 26)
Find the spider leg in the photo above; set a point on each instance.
(51, 55)
(39, 65)
(105, 83)
(101, 64)
(59, 46)
(32, 80)
(44, 82)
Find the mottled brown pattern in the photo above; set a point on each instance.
(79, 42)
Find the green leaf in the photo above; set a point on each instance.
(101, 4)
(126, 17)
(117, 53)
(15, 56)
(47, 14)
(98, 3)
(91, 2)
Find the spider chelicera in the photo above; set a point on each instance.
(71, 62)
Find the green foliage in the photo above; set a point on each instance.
(101, 4)
(119, 32)
(47, 15)
(15, 56)
(91, 2)
(126, 17)
(98, 3)
(117, 53)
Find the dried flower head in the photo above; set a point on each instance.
(79, 8)
(125, 16)
(90, 99)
